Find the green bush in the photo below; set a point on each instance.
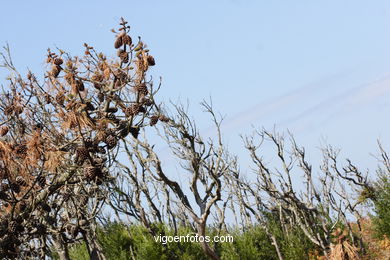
(251, 244)
(381, 219)
(121, 242)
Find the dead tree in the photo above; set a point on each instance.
(316, 203)
(59, 138)
(205, 161)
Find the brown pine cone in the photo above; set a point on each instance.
(55, 71)
(163, 118)
(3, 175)
(22, 206)
(82, 154)
(91, 172)
(118, 42)
(132, 110)
(88, 142)
(150, 60)
(97, 85)
(12, 227)
(113, 118)
(142, 89)
(58, 61)
(41, 181)
(134, 131)
(46, 207)
(111, 141)
(60, 99)
(4, 130)
(21, 149)
(101, 97)
(20, 181)
(4, 196)
(126, 39)
(147, 102)
(47, 98)
(153, 120)
(15, 187)
(124, 57)
(4, 187)
(97, 77)
(100, 149)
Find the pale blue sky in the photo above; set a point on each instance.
(318, 68)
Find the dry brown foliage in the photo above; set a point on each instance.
(59, 137)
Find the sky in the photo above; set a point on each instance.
(320, 69)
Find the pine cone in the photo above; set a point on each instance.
(97, 77)
(119, 52)
(126, 39)
(41, 180)
(60, 99)
(134, 109)
(101, 97)
(21, 149)
(92, 172)
(38, 127)
(147, 102)
(12, 227)
(15, 187)
(100, 149)
(88, 142)
(124, 57)
(118, 42)
(82, 154)
(46, 207)
(20, 181)
(18, 110)
(74, 231)
(3, 175)
(153, 120)
(134, 131)
(142, 89)
(4, 196)
(97, 85)
(111, 141)
(22, 206)
(109, 131)
(4, 130)
(4, 187)
(163, 118)
(58, 61)
(55, 71)
(150, 60)
(113, 118)
(47, 98)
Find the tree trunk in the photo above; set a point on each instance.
(61, 248)
(94, 248)
(205, 246)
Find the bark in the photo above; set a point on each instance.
(61, 248)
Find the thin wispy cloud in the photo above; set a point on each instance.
(268, 108)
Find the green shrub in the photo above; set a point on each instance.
(381, 219)
(120, 242)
